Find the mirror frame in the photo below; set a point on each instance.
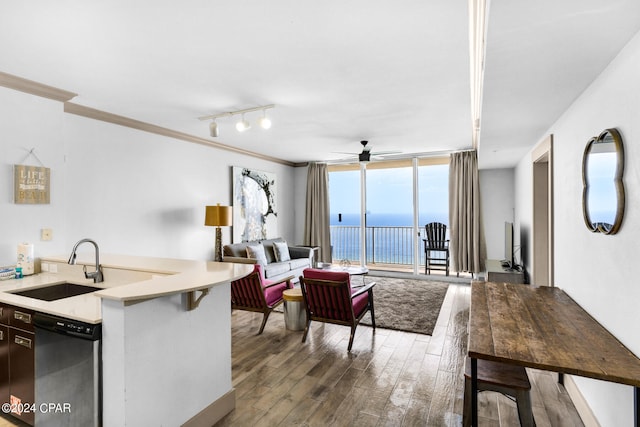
(619, 185)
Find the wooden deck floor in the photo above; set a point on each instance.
(390, 378)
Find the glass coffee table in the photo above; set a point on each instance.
(352, 270)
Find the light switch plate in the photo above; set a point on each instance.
(46, 234)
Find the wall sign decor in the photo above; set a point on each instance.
(32, 184)
(254, 205)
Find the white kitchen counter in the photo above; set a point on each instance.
(165, 360)
(126, 278)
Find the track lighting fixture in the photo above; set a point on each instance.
(243, 124)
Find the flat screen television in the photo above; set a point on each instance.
(508, 245)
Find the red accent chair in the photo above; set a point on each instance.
(329, 298)
(254, 293)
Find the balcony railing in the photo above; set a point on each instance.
(385, 245)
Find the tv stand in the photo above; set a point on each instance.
(497, 273)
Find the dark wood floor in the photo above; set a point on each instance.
(390, 378)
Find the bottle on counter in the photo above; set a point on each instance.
(26, 258)
(18, 272)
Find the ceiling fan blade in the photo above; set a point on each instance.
(382, 153)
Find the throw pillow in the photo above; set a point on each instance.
(281, 249)
(257, 252)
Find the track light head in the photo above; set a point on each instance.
(213, 129)
(243, 125)
(264, 121)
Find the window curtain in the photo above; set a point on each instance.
(467, 245)
(316, 222)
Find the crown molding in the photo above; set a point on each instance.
(35, 88)
(92, 113)
(38, 89)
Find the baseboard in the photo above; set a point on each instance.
(214, 412)
(583, 408)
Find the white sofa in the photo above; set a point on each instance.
(301, 257)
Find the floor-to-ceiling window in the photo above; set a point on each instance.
(433, 197)
(345, 212)
(378, 211)
(389, 213)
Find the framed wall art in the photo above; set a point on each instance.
(254, 205)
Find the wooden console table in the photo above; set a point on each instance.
(543, 328)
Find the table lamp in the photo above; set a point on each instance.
(218, 216)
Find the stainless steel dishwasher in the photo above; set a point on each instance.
(68, 371)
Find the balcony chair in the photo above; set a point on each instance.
(435, 244)
(254, 293)
(329, 298)
(509, 380)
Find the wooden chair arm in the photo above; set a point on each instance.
(287, 279)
(363, 289)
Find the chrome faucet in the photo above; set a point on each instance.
(95, 275)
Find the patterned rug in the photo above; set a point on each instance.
(406, 304)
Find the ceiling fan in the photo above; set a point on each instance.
(366, 153)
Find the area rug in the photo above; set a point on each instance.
(406, 304)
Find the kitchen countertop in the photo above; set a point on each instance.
(126, 279)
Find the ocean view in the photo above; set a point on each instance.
(388, 220)
(389, 237)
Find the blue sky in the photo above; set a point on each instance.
(390, 192)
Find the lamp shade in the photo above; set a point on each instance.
(218, 216)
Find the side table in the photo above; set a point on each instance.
(295, 313)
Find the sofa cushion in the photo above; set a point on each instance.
(237, 250)
(281, 250)
(257, 252)
(298, 263)
(276, 268)
(268, 248)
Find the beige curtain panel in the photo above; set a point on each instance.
(316, 223)
(467, 245)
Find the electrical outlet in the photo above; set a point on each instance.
(46, 234)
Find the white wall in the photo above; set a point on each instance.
(497, 193)
(133, 192)
(597, 270)
(31, 122)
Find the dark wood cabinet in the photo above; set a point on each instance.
(17, 361)
(4, 363)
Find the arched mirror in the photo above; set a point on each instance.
(603, 191)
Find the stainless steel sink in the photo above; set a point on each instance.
(57, 291)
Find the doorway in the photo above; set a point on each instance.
(542, 166)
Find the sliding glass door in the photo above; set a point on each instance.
(378, 211)
(389, 214)
(433, 199)
(345, 213)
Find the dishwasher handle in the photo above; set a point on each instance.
(63, 326)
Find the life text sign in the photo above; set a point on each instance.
(32, 184)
